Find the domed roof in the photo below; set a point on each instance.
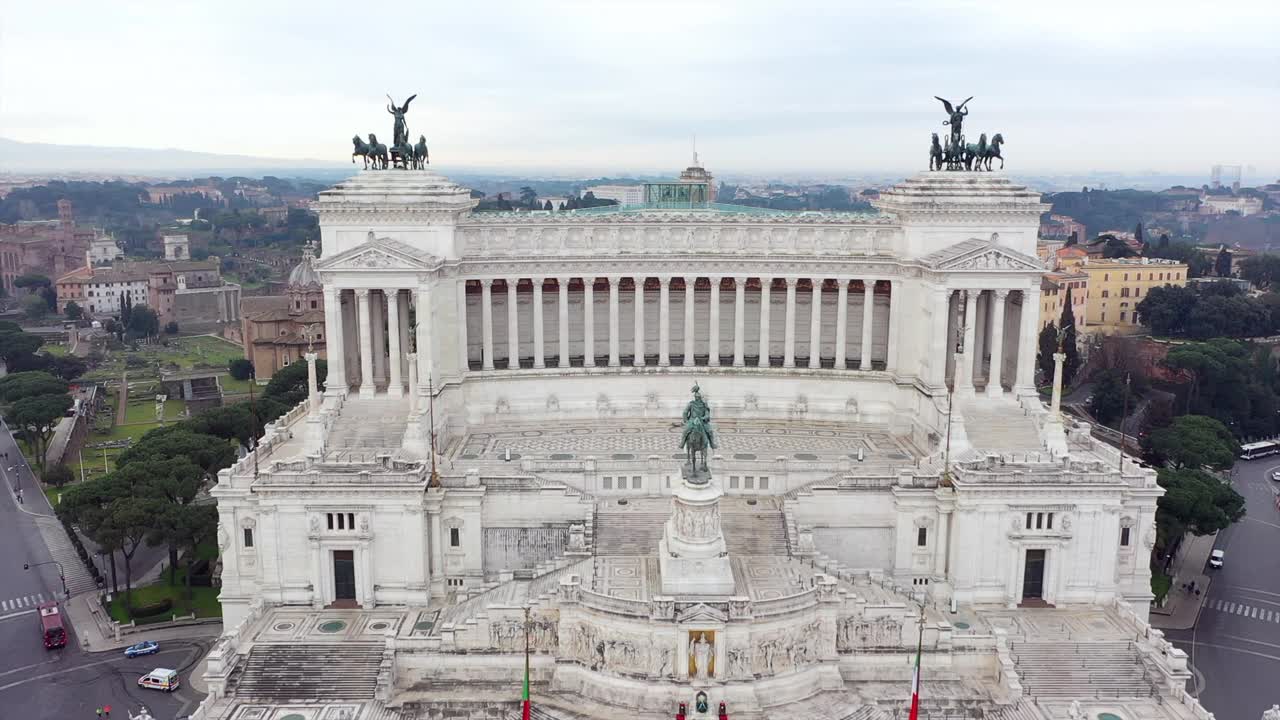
(304, 275)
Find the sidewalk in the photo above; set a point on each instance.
(96, 633)
(1182, 608)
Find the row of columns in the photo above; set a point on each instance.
(383, 336)
(664, 322)
(966, 350)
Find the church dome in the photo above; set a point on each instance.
(304, 275)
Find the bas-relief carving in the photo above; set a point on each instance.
(611, 651)
(789, 650)
(507, 634)
(697, 523)
(857, 633)
(373, 259)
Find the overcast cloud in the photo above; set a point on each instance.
(766, 86)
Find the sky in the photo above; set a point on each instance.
(616, 85)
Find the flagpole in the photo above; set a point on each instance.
(915, 678)
(525, 709)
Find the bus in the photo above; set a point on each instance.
(51, 630)
(1252, 450)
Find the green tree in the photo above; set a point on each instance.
(30, 384)
(1165, 309)
(34, 308)
(1163, 242)
(1194, 441)
(240, 368)
(1261, 270)
(171, 328)
(166, 444)
(528, 196)
(1115, 247)
(1137, 233)
(1230, 381)
(1071, 364)
(1074, 239)
(1048, 345)
(1106, 403)
(32, 280)
(1195, 501)
(73, 311)
(16, 344)
(1222, 264)
(288, 385)
(547, 206)
(143, 322)
(58, 475)
(37, 417)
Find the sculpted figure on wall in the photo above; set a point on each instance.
(856, 633)
(700, 652)
(608, 651)
(507, 634)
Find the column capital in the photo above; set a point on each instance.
(362, 292)
(690, 280)
(614, 280)
(665, 280)
(512, 282)
(537, 281)
(563, 281)
(715, 279)
(1001, 294)
(740, 280)
(486, 282)
(330, 290)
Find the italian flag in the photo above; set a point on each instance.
(525, 709)
(915, 685)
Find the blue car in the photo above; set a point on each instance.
(148, 647)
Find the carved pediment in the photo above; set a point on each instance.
(701, 613)
(981, 256)
(379, 254)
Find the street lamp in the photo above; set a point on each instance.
(61, 575)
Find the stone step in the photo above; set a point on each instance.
(760, 532)
(79, 579)
(1087, 669)
(298, 672)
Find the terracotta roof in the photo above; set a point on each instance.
(262, 303)
(277, 314)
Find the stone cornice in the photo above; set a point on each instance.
(673, 218)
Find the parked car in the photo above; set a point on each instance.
(1276, 475)
(146, 647)
(160, 679)
(1215, 558)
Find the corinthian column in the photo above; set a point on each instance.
(815, 325)
(366, 343)
(394, 388)
(613, 322)
(765, 313)
(513, 326)
(994, 387)
(789, 337)
(739, 321)
(842, 324)
(538, 360)
(713, 342)
(589, 321)
(868, 324)
(895, 307)
(964, 381)
(689, 286)
(637, 358)
(486, 321)
(664, 321)
(334, 341)
(563, 310)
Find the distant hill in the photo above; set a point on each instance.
(18, 156)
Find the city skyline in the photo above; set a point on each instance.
(823, 88)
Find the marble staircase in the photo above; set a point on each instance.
(306, 672)
(1071, 671)
(516, 592)
(369, 427)
(995, 425)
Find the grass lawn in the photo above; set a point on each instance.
(1160, 585)
(55, 350)
(231, 386)
(204, 600)
(199, 352)
(144, 410)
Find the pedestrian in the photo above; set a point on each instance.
(99, 711)
(107, 710)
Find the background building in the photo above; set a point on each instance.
(1117, 286)
(1053, 296)
(274, 327)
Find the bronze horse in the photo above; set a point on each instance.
(377, 153)
(935, 154)
(420, 157)
(361, 150)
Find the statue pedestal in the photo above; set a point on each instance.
(692, 555)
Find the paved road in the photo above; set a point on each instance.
(1235, 645)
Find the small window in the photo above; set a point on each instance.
(1049, 523)
(922, 537)
(248, 537)
(1126, 277)
(455, 537)
(733, 482)
(1029, 516)
(748, 483)
(1039, 521)
(607, 482)
(341, 522)
(1124, 537)
(1122, 314)
(1106, 277)
(330, 516)
(1106, 293)
(313, 304)
(351, 521)
(764, 482)
(635, 482)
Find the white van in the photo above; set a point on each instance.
(160, 679)
(1215, 558)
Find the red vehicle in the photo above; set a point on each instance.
(51, 630)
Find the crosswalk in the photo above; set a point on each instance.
(1243, 610)
(25, 602)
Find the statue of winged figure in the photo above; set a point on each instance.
(957, 120)
(401, 131)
